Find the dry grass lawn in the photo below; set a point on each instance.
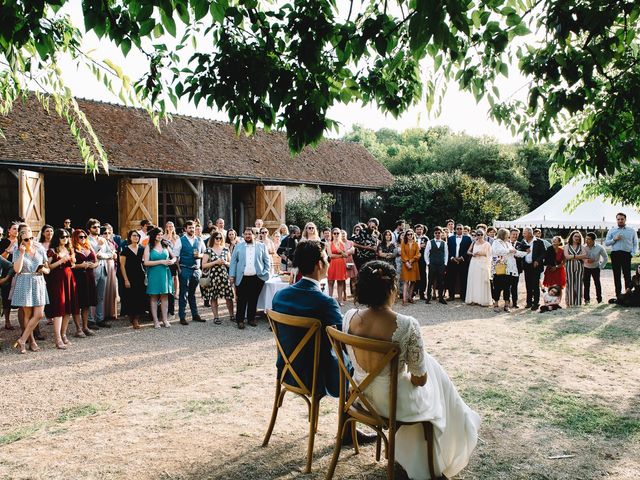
(559, 395)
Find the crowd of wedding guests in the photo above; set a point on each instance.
(82, 274)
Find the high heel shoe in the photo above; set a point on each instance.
(65, 340)
(23, 346)
(33, 346)
(88, 332)
(156, 325)
(166, 323)
(60, 345)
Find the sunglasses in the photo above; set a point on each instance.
(64, 236)
(95, 226)
(28, 239)
(263, 233)
(311, 228)
(217, 238)
(82, 236)
(335, 233)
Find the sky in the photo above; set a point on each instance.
(460, 112)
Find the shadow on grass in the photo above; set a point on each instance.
(277, 461)
(608, 323)
(546, 404)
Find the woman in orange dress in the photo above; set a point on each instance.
(410, 254)
(337, 252)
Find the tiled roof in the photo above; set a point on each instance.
(186, 146)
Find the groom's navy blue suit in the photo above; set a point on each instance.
(304, 299)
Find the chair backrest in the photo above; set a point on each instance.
(313, 328)
(389, 352)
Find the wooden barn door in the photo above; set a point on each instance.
(31, 198)
(137, 200)
(270, 205)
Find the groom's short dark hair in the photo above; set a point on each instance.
(307, 255)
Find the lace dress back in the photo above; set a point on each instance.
(455, 424)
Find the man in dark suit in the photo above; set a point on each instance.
(305, 299)
(458, 264)
(533, 264)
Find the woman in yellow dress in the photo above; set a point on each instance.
(410, 254)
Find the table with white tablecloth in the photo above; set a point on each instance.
(269, 289)
(274, 285)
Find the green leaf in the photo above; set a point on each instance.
(218, 11)
(168, 23)
(147, 26)
(125, 46)
(200, 8)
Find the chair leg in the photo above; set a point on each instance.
(428, 436)
(336, 449)
(354, 436)
(274, 414)
(313, 427)
(391, 455)
(378, 445)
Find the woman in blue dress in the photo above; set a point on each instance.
(158, 258)
(30, 291)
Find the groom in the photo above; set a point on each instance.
(305, 299)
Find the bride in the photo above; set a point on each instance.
(479, 277)
(425, 391)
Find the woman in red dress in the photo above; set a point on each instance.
(86, 262)
(337, 252)
(61, 286)
(554, 272)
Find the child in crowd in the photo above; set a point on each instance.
(552, 299)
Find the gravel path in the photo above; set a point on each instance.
(193, 402)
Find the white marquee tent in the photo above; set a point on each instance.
(594, 214)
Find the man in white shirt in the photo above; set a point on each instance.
(436, 255)
(249, 269)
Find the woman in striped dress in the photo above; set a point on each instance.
(574, 254)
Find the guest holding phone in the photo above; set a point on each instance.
(30, 291)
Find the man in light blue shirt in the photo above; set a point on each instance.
(624, 243)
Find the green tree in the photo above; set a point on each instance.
(316, 210)
(432, 198)
(284, 67)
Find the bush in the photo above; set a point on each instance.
(432, 198)
(317, 210)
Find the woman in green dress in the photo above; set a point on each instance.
(158, 258)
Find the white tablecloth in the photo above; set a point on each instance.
(269, 290)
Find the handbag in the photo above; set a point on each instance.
(501, 268)
(205, 280)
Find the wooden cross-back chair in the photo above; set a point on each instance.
(353, 406)
(307, 392)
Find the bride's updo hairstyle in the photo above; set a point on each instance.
(376, 281)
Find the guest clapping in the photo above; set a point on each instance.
(215, 267)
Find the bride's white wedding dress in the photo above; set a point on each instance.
(479, 277)
(455, 424)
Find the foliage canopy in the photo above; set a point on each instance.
(284, 65)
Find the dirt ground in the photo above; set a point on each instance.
(559, 396)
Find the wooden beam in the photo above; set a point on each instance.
(192, 186)
(200, 201)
